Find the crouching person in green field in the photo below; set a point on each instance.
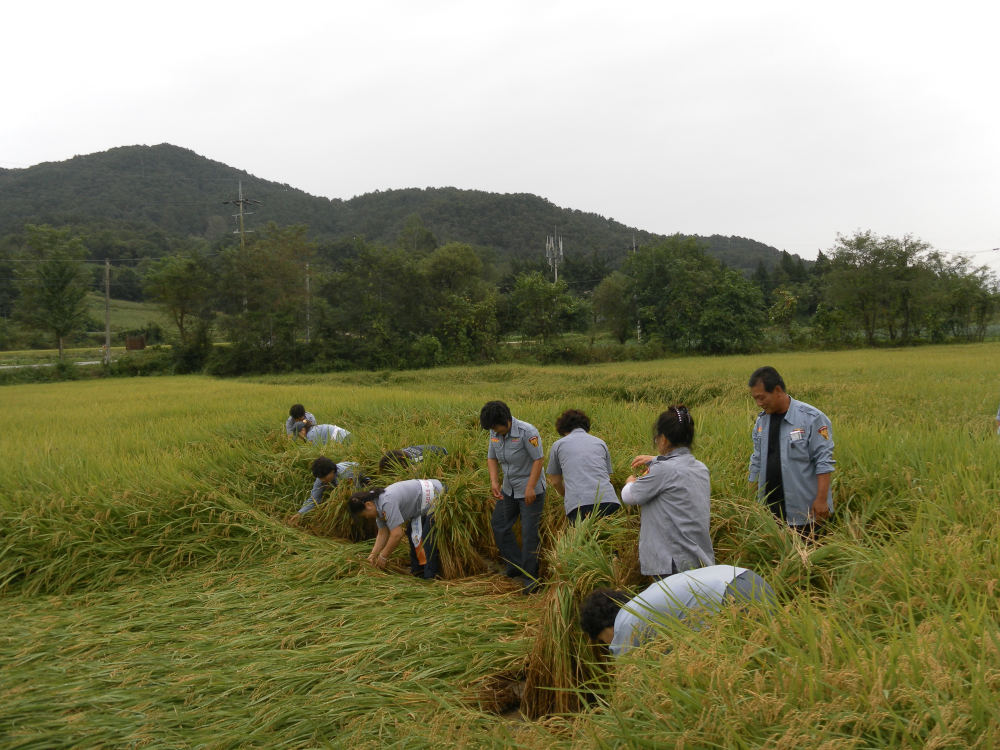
(624, 622)
(328, 476)
(410, 502)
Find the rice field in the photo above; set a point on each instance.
(158, 590)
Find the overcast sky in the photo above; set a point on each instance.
(784, 122)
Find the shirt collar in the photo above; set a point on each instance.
(681, 451)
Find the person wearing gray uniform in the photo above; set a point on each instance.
(580, 468)
(410, 502)
(623, 622)
(516, 448)
(321, 434)
(406, 457)
(297, 413)
(792, 459)
(674, 499)
(329, 476)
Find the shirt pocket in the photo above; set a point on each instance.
(798, 450)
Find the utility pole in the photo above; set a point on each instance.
(307, 303)
(638, 323)
(242, 203)
(107, 311)
(554, 251)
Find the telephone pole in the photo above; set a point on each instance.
(307, 303)
(107, 311)
(554, 251)
(242, 203)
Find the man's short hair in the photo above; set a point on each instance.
(600, 609)
(297, 411)
(494, 413)
(768, 377)
(323, 466)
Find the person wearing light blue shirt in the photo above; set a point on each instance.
(792, 461)
(321, 434)
(297, 413)
(623, 622)
(328, 476)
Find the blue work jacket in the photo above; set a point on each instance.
(806, 440)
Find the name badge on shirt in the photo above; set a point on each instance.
(797, 435)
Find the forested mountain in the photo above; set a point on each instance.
(165, 192)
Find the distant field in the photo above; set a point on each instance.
(127, 315)
(158, 592)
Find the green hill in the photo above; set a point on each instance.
(167, 193)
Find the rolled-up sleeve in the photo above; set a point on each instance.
(641, 491)
(821, 445)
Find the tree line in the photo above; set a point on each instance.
(283, 301)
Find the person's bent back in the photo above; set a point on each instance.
(623, 622)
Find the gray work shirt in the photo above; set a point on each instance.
(806, 440)
(345, 470)
(402, 502)
(417, 452)
(322, 434)
(675, 501)
(517, 451)
(672, 598)
(290, 423)
(584, 463)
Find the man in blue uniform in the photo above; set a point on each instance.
(516, 448)
(792, 459)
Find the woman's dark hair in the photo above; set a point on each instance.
(323, 466)
(297, 411)
(356, 502)
(298, 427)
(494, 413)
(393, 460)
(571, 419)
(676, 425)
(600, 609)
(768, 377)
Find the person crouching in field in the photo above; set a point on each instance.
(406, 457)
(623, 622)
(328, 476)
(580, 468)
(674, 499)
(321, 434)
(516, 448)
(410, 502)
(296, 415)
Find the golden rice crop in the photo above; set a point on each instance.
(157, 591)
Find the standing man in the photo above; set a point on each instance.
(792, 455)
(515, 447)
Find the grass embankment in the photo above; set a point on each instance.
(154, 593)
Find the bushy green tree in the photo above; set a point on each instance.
(613, 305)
(53, 283)
(544, 308)
(688, 300)
(183, 286)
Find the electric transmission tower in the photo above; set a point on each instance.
(242, 203)
(554, 251)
